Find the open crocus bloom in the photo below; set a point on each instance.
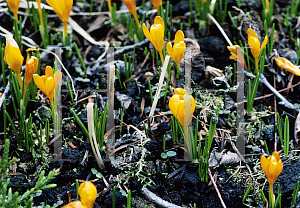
(88, 194)
(177, 52)
(179, 102)
(254, 43)
(287, 65)
(62, 8)
(272, 166)
(48, 82)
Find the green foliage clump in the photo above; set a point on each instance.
(14, 200)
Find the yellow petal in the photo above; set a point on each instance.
(13, 58)
(39, 82)
(264, 164)
(251, 33)
(264, 43)
(276, 156)
(88, 194)
(76, 204)
(49, 71)
(179, 91)
(146, 32)
(179, 36)
(156, 3)
(169, 49)
(44, 78)
(178, 51)
(173, 104)
(157, 34)
(255, 46)
(159, 20)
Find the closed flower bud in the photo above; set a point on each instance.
(31, 67)
(130, 4)
(12, 55)
(156, 4)
(14, 7)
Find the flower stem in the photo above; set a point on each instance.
(24, 92)
(65, 28)
(137, 20)
(161, 57)
(272, 203)
(18, 75)
(256, 64)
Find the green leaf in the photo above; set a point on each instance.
(163, 155)
(94, 171)
(171, 153)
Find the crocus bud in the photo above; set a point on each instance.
(12, 55)
(14, 58)
(14, 7)
(287, 65)
(156, 4)
(130, 4)
(178, 103)
(31, 67)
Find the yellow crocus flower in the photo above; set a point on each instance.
(272, 167)
(14, 7)
(88, 194)
(130, 4)
(156, 35)
(14, 58)
(62, 8)
(48, 82)
(156, 4)
(177, 52)
(177, 105)
(254, 43)
(234, 50)
(287, 65)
